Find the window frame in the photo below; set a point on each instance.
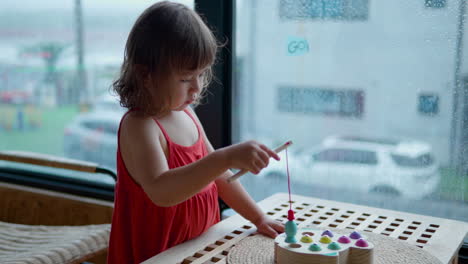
(54, 181)
(216, 112)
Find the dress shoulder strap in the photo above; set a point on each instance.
(166, 135)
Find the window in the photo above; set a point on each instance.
(111, 128)
(347, 156)
(349, 92)
(428, 104)
(101, 126)
(331, 155)
(57, 62)
(92, 125)
(324, 9)
(324, 101)
(435, 3)
(419, 161)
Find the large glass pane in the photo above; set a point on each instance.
(57, 62)
(373, 95)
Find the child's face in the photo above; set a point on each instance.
(186, 87)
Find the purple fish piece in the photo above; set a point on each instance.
(361, 243)
(355, 235)
(327, 233)
(344, 240)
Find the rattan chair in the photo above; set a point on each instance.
(31, 244)
(45, 244)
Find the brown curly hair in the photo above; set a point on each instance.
(166, 39)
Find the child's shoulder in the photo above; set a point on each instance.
(136, 116)
(137, 122)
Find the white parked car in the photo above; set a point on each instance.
(92, 137)
(406, 168)
(107, 102)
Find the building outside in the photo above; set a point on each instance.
(384, 69)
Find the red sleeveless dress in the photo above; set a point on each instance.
(140, 229)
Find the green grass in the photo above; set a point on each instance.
(453, 186)
(47, 139)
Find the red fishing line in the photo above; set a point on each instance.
(290, 211)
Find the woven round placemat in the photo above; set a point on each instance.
(258, 249)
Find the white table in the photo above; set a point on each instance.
(441, 237)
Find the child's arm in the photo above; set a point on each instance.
(234, 194)
(144, 157)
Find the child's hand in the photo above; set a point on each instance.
(250, 155)
(269, 227)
